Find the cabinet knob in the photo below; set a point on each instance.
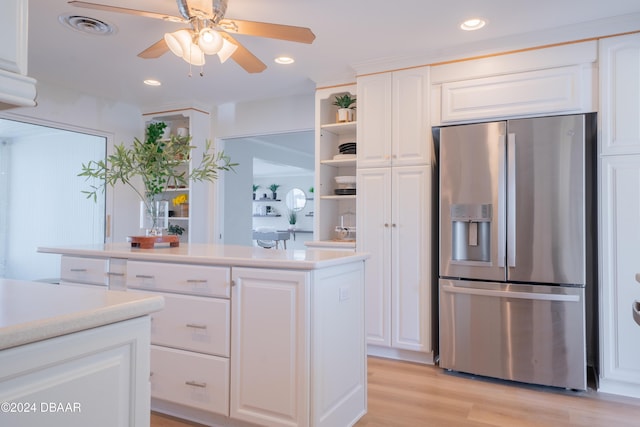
(393, 225)
(386, 224)
(143, 276)
(78, 270)
(196, 280)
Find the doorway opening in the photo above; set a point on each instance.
(284, 159)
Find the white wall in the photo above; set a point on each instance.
(66, 108)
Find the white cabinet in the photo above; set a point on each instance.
(619, 205)
(394, 211)
(195, 217)
(297, 352)
(96, 377)
(620, 94)
(86, 271)
(270, 352)
(393, 119)
(190, 337)
(16, 89)
(198, 381)
(395, 228)
(620, 228)
(330, 207)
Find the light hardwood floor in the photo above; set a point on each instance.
(405, 394)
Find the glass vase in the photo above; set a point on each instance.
(154, 217)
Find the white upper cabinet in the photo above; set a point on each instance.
(620, 94)
(393, 119)
(16, 89)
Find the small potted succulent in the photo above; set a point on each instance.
(274, 189)
(346, 105)
(255, 188)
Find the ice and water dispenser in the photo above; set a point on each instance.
(471, 232)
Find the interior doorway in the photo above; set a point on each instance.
(41, 199)
(285, 159)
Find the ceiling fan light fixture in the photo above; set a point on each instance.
(178, 42)
(210, 41)
(226, 51)
(194, 55)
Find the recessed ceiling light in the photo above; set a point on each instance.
(152, 82)
(473, 24)
(284, 60)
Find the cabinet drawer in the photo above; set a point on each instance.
(179, 278)
(196, 380)
(193, 323)
(91, 271)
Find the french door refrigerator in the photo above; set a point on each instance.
(517, 248)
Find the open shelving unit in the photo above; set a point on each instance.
(329, 207)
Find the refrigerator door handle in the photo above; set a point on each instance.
(502, 217)
(511, 200)
(510, 294)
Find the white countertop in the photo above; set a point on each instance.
(31, 311)
(228, 255)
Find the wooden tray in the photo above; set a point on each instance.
(149, 242)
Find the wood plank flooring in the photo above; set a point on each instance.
(403, 394)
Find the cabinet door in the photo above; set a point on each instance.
(270, 347)
(81, 270)
(411, 272)
(619, 89)
(374, 237)
(411, 139)
(374, 120)
(619, 334)
(192, 323)
(196, 380)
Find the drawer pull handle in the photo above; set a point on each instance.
(143, 276)
(115, 274)
(196, 384)
(196, 280)
(78, 270)
(196, 326)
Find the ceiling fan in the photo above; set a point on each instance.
(209, 33)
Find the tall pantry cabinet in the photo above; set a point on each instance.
(619, 214)
(394, 180)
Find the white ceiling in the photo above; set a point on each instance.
(352, 36)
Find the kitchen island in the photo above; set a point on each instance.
(73, 356)
(249, 336)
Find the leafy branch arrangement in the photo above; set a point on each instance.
(160, 164)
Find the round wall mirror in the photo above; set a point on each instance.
(296, 199)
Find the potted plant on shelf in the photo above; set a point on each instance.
(293, 218)
(274, 189)
(160, 163)
(255, 188)
(345, 104)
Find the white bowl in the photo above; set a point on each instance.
(345, 179)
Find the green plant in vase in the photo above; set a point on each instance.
(345, 104)
(274, 189)
(293, 218)
(159, 164)
(255, 188)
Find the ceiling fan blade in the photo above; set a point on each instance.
(106, 8)
(244, 58)
(156, 50)
(273, 31)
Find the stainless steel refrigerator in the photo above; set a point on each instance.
(517, 248)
